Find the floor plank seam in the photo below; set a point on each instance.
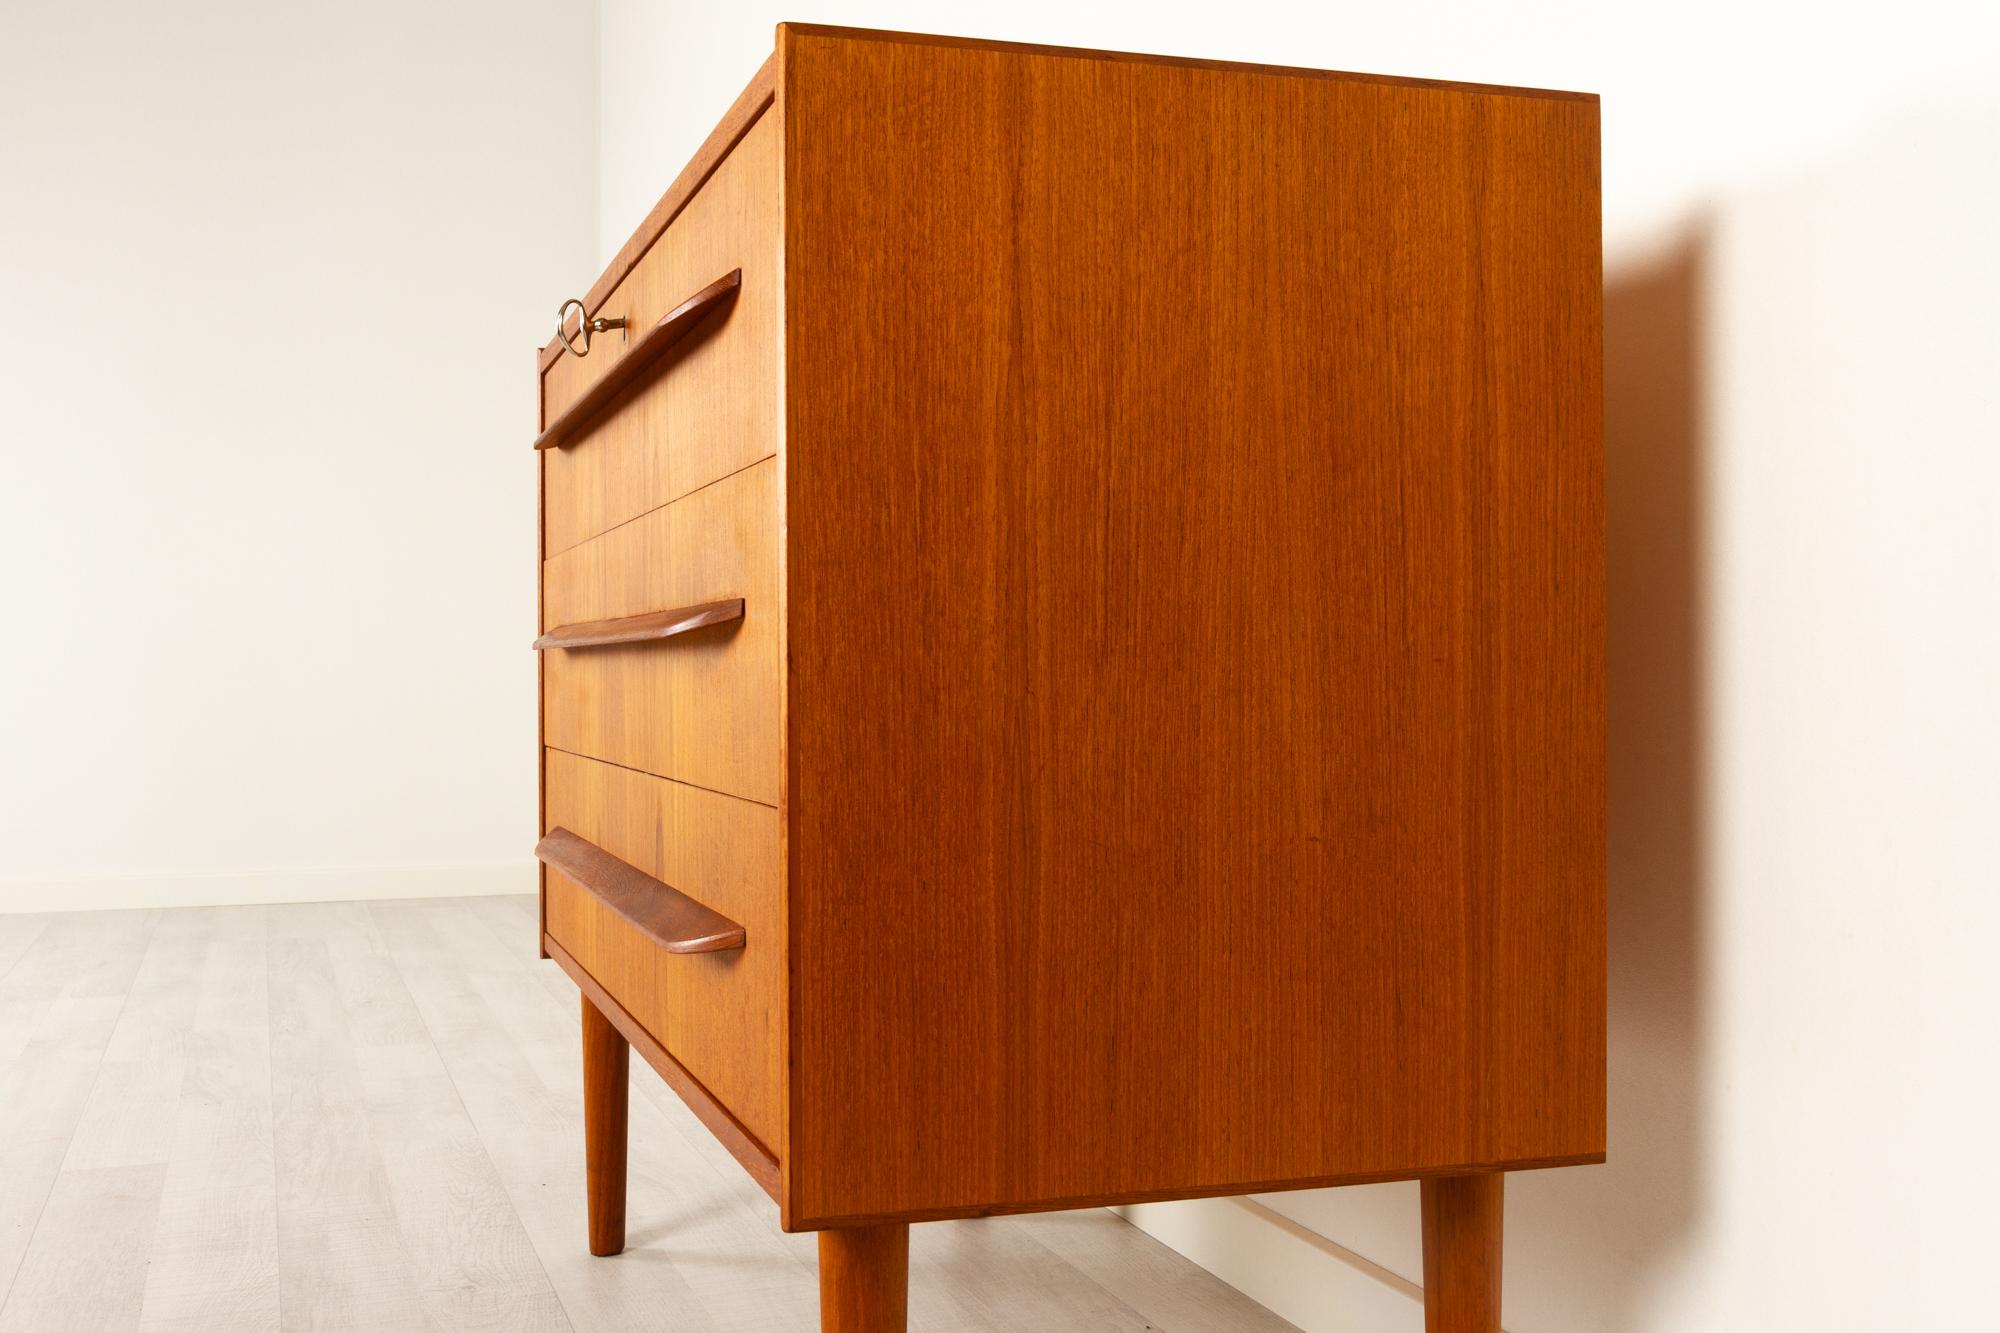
(26, 949)
(458, 1094)
(271, 1102)
(69, 1140)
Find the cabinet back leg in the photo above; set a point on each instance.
(864, 1279)
(1462, 1253)
(606, 1087)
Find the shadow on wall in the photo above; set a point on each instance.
(1649, 1194)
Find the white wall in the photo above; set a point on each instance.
(1803, 394)
(271, 277)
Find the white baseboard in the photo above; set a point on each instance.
(1295, 1273)
(229, 888)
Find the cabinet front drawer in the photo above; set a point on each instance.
(700, 706)
(718, 1014)
(710, 406)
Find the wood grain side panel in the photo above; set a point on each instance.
(1195, 609)
(711, 407)
(719, 1014)
(701, 707)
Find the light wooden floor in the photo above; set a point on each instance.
(368, 1116)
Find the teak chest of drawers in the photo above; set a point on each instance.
(1073, 632)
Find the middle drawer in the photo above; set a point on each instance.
(699, 707)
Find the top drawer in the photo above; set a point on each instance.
(711, 409)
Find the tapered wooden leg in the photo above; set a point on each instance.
(864, 1279)
(1462, 1254)
(606, 1061)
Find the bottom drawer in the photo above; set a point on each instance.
(719, 1014)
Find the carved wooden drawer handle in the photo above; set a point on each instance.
(638, 629)
(660, 912)
(645, 355)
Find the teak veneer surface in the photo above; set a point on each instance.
(701, 707)
(711, 407)
(718, 1014)
(1193, 499)
(752, 1156)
